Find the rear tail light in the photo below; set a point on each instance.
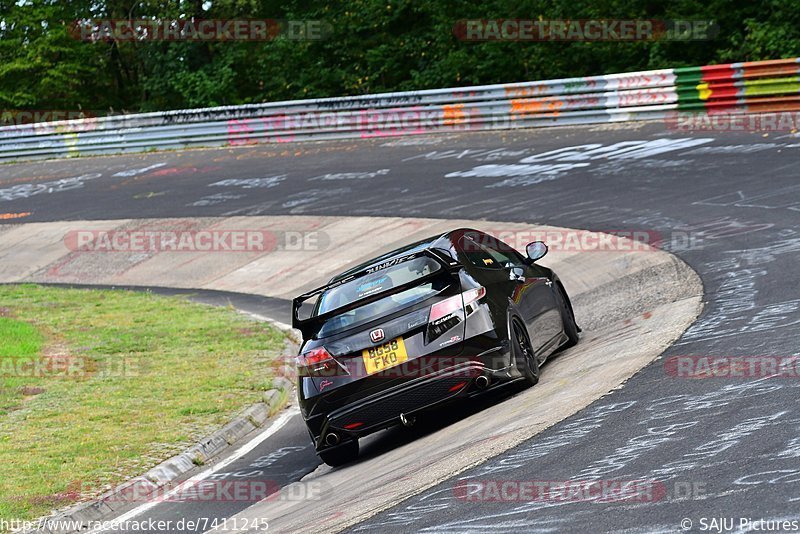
(472, 295)
(316, 360)
(447, 313)
(453, 304)
(445, 308)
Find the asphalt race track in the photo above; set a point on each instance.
(726, 203)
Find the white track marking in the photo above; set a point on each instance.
(279, 423)
(265, 319)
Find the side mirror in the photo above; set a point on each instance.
(536, 250)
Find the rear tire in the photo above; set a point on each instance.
(526, 360)
(568, 320)
(341, 454)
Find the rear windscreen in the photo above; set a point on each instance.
(378, 282)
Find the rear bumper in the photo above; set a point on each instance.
(383, 409)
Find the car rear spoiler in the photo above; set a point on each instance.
(309, 327)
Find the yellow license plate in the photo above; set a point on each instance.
(384, 356)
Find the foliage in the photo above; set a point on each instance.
(370, 46)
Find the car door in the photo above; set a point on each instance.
(532, 292)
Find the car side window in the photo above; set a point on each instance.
(479, 255)
(502, 252)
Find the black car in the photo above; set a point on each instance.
(444, 318)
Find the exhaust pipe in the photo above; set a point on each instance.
(407, 420)
(332, 439)
(482, 382)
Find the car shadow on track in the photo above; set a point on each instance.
(434, 421)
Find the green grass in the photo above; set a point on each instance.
(145, 377)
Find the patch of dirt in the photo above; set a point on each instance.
(31, 391)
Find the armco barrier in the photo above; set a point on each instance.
(761, 86)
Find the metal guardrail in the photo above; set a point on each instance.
(761, 86)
